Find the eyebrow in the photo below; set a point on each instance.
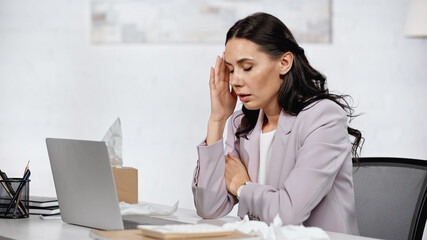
(239, 61)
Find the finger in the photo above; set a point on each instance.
(221, 70)
(225, 80)
(233, 157)
(225, 70)
(228, 156)
(226, 75)
(211, 77)
(217, 69)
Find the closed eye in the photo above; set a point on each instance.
(244, 69)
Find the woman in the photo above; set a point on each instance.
(288, 151)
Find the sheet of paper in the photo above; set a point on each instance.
(147, 209)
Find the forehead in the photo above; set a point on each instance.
(238, 48)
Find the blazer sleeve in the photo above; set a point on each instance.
(324, 146)
(211, 198)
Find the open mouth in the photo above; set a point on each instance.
(244, 97)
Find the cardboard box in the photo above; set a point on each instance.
(126, 179)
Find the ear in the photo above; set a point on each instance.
(286, 61)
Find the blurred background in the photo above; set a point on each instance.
(61, 77)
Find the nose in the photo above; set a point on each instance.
(236, 79)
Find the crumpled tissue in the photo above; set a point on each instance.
(276, 231)
(113, 139)
(147, 209)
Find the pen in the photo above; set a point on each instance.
(26, 176)
(20, 194)
(9, 189)
(6, 179)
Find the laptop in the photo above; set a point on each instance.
(85, 186)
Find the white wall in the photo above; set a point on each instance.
(54, 83)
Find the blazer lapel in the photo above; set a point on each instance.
(286, 122)
(251, 147)
(250, 153)
(277, 154)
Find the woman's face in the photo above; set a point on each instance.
(254, 76)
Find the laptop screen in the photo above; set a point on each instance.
(84, 183)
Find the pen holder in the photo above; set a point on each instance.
(14, 198)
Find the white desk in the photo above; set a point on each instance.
(35, 228)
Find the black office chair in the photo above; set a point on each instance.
(390, 196)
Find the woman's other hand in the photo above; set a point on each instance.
(223, 101)
(235, 174)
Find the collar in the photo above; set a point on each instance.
(284, 124)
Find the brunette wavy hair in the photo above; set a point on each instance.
(301, 86)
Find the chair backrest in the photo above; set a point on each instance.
(390, 195)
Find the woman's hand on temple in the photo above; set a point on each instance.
(235, 174)
(223, 101)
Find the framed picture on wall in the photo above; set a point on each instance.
(201, 21)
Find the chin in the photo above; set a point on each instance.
(250, 106)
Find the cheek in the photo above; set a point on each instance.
(267, 83)
(275, 80)
(257, 80)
